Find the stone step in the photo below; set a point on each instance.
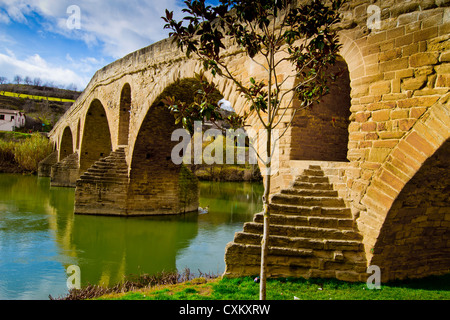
(309, 192)
(313, 221)
(312, 179)
(285, 209)
(273, 251)
(97, 180)
(312, 186)
(307, 200)
(300, 242)
(303, 231)
(313, 172)
(94, 170)
(343, 260)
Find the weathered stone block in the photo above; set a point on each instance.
(381, 115)
(423, 59)
(378, 154)
(368, 126)
(380, 87)
(414, 83)
(443, 80)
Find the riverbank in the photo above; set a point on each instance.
(21, 153)
(12, 168)
(245, 288)
(229, 173)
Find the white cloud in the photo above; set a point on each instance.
(36, 67)
(4, 18)
(120, 27)
(109, 28)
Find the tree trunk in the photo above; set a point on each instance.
(264, 250)
(265, 238)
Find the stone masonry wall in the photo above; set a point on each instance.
(415, 238)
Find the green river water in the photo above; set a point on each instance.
(40, 237)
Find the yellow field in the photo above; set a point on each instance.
(25, 96)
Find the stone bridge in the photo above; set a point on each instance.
(381, 138)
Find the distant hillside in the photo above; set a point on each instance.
(40, 91)
(42, 105)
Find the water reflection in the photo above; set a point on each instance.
(40, 237)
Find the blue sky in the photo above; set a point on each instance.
(39, 38)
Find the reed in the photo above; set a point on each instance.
(132, 283)
(26, 153)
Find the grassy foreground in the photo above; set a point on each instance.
(431, 288)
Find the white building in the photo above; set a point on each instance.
(10, 120)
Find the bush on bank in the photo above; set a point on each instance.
(25, 153)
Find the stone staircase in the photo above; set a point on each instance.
(102, 189)
(112, 168)
(312, 234)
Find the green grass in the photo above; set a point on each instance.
(431, 288)
(27, 96)
(13, 135)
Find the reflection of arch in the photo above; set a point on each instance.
(321, 132)
(124, 114)
(96, 141)
(66, 145)
(415, 235)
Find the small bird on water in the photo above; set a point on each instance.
(203, 210)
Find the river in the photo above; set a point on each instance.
(40, 237)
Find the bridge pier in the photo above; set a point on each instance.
(102, 189)
(45, 166)
(105, 189)
(65, 173)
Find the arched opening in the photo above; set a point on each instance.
(415, 236)
(321, 132)
(66, 146)
(96, 142)
(124, 114)
(157, 184)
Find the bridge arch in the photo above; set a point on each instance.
(66, 144)
(397, 211)
(413, 238)
(157, 185)
(96, 140)
(124, 114)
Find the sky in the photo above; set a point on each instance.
(64, 42)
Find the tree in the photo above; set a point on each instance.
(3, 80)
(279, 32)
(17, 79)
(28, 80)
(37, 82)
